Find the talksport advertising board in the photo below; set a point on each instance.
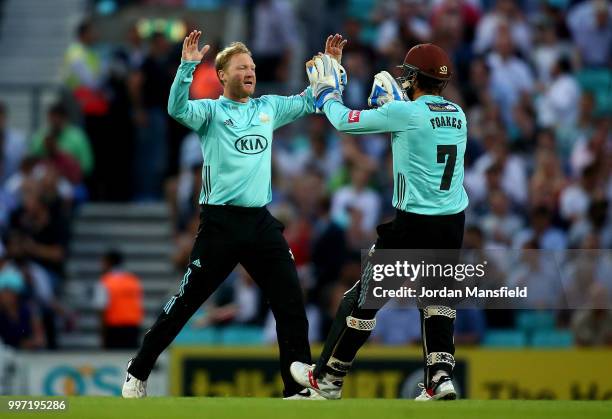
(572, 374)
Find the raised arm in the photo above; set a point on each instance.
(191, 113)
(290, 108)
(324, 75)
(358, 121)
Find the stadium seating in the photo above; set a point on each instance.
(505, 339)
(530, 321)
(552, 339)
(594, 80)
(241, 335)
(192, 336)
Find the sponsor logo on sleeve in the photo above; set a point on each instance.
(441, 107)
(353, 116)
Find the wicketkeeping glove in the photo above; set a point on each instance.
(327, 79)
(384, 90)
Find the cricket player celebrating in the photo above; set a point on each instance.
(428, 137)
(235, 226)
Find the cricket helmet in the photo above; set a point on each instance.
(427, 59)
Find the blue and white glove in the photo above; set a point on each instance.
(384, 90)
(326, 77)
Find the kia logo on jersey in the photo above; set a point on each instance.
(353, 116)
(251, 144)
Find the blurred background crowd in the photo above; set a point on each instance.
(533, 76)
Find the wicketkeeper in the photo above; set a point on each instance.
(428, 137)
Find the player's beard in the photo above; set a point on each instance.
(410, 92)
(239, 90)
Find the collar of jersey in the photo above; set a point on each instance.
(427, 97)
(233, 102)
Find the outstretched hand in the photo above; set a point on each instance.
(190, 47)
(334, 45)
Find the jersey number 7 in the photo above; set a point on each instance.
(447, 176)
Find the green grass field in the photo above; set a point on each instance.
(250, 408)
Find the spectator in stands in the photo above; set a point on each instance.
(183, 191)
(83, 69)
(506, 15)
(14, 185)
(12, 147)
(206, 84)
(547, 180)
(405, 24)
(39, 288)
(320, 154)
(500, 224)
(576, 198)
(84, 72)
(592, 149)
(56, 191)
(236, 301)
(535, 271)
(595, 222)
(64, 163)
(135, 47)
(357, 196)
(358, 237)
(7, 206)
(541, 234)
(183, 242)
(397, 324)
(43, 232)
(69, 138)
(274, 38)
(507, 171)
(482, 110)
(586, 275)
(20, 324)
(329, 250)
(591, 25)
(152, 86)
(592, 327)
(85, 76)
(557, 107)
(547, 51)
(357, 65)
(470, 326)
(119, 297)
(585, 124)
(510, 75)
(476, 250)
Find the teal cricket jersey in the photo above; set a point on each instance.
(236, 139)
(428, 138)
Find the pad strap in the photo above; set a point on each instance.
(440, 357)
(360, 324)
(445, 311)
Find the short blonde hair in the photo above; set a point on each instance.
(224, 56)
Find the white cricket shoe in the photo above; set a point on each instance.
(133, 388)
(302, 374)
(305, 394)
(442, 389)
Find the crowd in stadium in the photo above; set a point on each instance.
(533, 77)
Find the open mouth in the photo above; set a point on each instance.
(248, 83)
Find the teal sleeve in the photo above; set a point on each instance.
(191, 113)
(390, 117)
(289, 108)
